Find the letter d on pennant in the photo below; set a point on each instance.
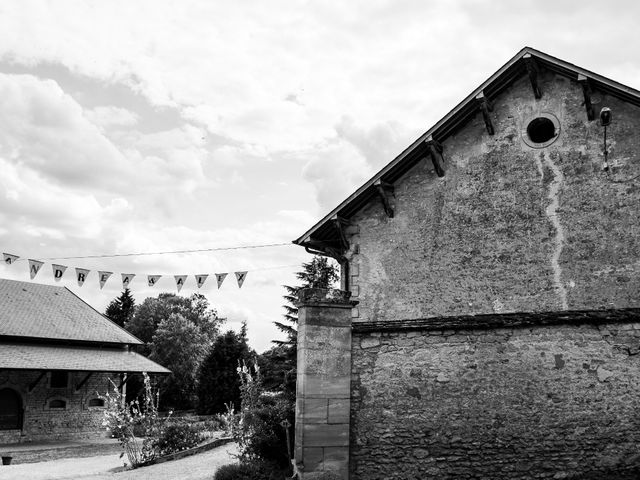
(58, 271)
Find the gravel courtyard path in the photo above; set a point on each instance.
(109, 467)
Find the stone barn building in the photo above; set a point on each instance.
(57, 357)
(493, 267)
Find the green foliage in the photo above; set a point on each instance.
(178, 436)
(121, 309)
(218, 382)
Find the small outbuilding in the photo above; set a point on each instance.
(58, 357)
(489, 323)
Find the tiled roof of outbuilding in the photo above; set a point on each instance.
(20, 356)
(49, 312)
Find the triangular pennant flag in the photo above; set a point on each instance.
(34, 267)
(220, 278)
(152, 279)
(103, 277)
(200, 279)
(180, 279)
(126, 279)
(240, 276)
(9, 259)
(58, 271)
(81, 275)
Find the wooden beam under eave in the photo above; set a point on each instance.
(340, 223)
(485, 107)
(33, 384)
(532, 70)
(435, 150)
(586, 92)
(384, 191)
(84, 380)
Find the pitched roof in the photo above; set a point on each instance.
(325, 233)
(25, 356)
(48, 312)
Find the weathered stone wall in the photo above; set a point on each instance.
(502, 403)
(77, 420)
(509, 227)
(323, 383)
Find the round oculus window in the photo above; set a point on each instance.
(541, 131)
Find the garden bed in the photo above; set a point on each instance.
(209, 445)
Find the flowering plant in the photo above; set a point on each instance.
(123, 419)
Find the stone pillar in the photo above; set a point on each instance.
(323, 388)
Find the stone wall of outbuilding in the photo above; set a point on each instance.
(509, 227)
(77, 420)
(520, 397)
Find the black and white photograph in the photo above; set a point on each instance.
(319, 240)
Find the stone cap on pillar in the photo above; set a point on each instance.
(329, 297)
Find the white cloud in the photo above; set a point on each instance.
(108, 116)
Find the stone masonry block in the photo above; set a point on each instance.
(319, 435)
(338, 410)
(336, 459)
(324, 385)
(312, 459)
(315, 410)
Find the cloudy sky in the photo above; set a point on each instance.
(148, 126)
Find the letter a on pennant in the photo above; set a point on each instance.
(103, 277)
(200, 279)
(180, 279)
(152, 279)
(220, 278)
(58, 271)
(34, 267)
(240, 276)
(81, 275)
(9, 259)
(126, 279)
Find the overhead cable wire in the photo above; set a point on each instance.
(171, 252)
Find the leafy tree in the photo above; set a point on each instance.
(121, 309)
(277, 369)
(152, 311)
(318, 273)
(181, 346)
(219, 382)
(177, 333)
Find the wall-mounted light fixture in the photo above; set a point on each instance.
(605, 121)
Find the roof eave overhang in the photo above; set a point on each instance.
(324, 233)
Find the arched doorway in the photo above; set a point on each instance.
(10, 410)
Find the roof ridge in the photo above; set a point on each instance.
(444, 127)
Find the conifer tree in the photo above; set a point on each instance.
(121, 309)
(318, 273)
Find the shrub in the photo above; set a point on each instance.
(255, 470)
(262, 434)
(128, 420)
(177, 437)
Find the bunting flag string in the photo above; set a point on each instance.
(81, 274)
(9, 259)
(58, 271)
(240, 276)
(34, 267)
(220, 278)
